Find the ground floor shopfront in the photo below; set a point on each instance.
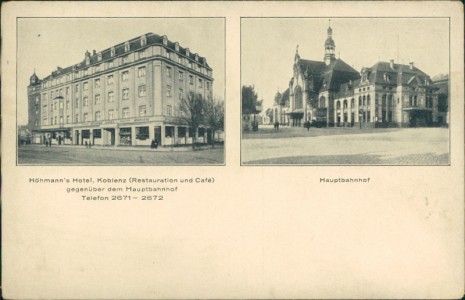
(119, 133)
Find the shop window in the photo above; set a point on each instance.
(142, 133)
(97, 133)
(169, 131)
(181, 132)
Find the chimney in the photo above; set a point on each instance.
(411, 65)
(94, 52)
(392, 64)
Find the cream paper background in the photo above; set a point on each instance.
(258, 232)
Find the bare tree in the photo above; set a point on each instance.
(192, 110)
(214, 116)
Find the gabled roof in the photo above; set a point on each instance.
(398, 74)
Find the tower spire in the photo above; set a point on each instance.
(330, 46)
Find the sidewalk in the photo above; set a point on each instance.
(187, 148)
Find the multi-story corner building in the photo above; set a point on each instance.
(385, 95)
(128, 94)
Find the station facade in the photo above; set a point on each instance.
(332, 93)
(128, 94)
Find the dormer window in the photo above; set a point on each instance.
(126, 47)
(165, 40)
(176, 46)
(112, 51)
(87, 60)
(196, 57)
(188, 52)
(143, 40)
(99, 56)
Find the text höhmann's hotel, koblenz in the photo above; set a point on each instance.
(125, 95)
(333, 93)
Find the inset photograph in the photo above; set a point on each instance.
(345, 91)
(120, 91)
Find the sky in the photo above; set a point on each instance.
(46, 43)
(268, 46)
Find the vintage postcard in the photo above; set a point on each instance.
(233, 150)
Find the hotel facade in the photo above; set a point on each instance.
(332, 93)
(128, 94)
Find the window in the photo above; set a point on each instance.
(180, 94)
(208, 85)
(180, 59)
(97, 99)
(142, 133)
(168, 72)
(61, 119)
(67, 104)
(111, 96)
(169, 131)
(97, 82)
(168, 90)
(141, 72)
(111, 114)
(55, 106)
(200, 83)
(85, 117)
(142, 111)
(126, 112)
(112, 51)
(169, 110)
(61, 104)
(143, 41)
(85, 101)
(125, 94)
(85, 86)
(181, 132)
(77, 118)
(67, 119)
(110, 79)
(181, 76)
(368, 100)
(76, 103)
(125, 76)
(360, 101)
(97, 116)
(142, 91)
(44, 121)
(141, 54)
(55, 120)
(125, 59)
(126, 47)
(44, 96)
(191, 79)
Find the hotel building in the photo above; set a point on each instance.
(128, 94)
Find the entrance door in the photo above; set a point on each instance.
(157, 134)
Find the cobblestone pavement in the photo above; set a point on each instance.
(410, 146)
(78, 155)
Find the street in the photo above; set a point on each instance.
(346, 146)
(78, 155)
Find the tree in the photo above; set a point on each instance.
(249, 100)
(214, 116)
(192, 110)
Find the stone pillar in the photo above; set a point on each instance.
(175, 134)
(133, 136)
(162, 137)
(117, 137)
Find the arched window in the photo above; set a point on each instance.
(368, 100)
(338, 105)
(345, 103)
(352, 102)
(298, 97)
(360, 100)
(364, 100)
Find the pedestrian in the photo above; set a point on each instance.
(85, 143)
